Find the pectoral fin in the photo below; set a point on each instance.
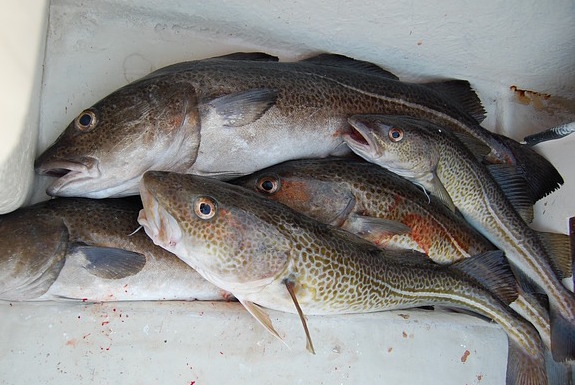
(242, 108)
(262, 317)
(437, 189)
(111, 263)
(375, 230)
(290, 285)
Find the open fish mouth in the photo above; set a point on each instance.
(69, 174)
(160, 226)
(359, 137)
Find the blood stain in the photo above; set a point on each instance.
(465, 355)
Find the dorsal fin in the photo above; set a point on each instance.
(515, 189)
(252, 56)
(341, 61)
(477, 147)
(559, 248)
(460, 92)
(492, 271)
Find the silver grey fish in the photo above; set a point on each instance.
(437, 160)
(82, 249)
(270, 256)
(232, 115)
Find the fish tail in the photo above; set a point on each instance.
(562, 336)
(541, 176)
(558, 373)
(524, 368)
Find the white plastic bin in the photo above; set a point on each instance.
(60, 56)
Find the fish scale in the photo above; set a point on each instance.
(230, 116)
(472, 189)
(333, 271)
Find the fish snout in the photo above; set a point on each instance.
(158, 224)
(69, 173)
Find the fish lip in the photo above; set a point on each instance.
(360, 138)
(68, 172)
(157, 222)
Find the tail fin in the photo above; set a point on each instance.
(524, 369)
(541, 176)
(558, 373)
(562, 337)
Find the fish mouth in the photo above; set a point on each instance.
(68, 173)
(158, 223)
(359, 138)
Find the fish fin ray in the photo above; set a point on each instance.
(558, 373)
(365, 225)
(251, 56)
(290, 285)
(110, 262)
(562, 337)
(515, 189)
(540, 174)
(491, 269)
(559, 249)
(524, 369)
(242, 108)
(261, 316)
(461, 92)
(479, 149)
(439, 191)
(341, 61)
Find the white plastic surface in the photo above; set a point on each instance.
(81, 51)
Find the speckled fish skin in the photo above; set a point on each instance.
(228, 117)
(335, 191)
(473, 191)
(251, 246)
(81, 249)
(342, 192)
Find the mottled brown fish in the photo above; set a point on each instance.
(434, 158)
(232, 115)
(82, 249)
(385, 209)
(269, 255)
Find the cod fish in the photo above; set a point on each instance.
(437, 160)
(270, 256)
(82, 249)
(230, 116)
(385, 209)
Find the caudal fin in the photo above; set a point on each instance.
(541, 176)
(562, 337)
(524, 369)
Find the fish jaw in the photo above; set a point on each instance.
(361, 141)
(158, 224)
(83, 178)
(220, 248)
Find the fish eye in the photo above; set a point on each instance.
(86, 120)
(395, 134)
(205, 207)
(268, 184)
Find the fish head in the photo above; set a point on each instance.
(104, 151)
(221, 230)
(398, 144)
(307, 186)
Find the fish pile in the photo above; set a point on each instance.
(322, 186)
